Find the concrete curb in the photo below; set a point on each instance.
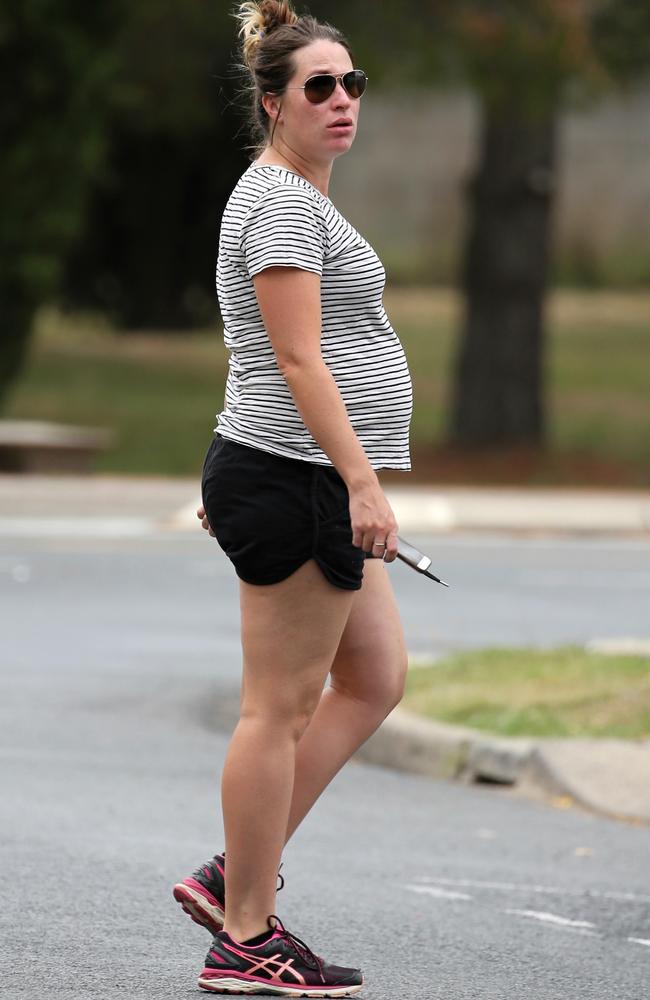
(610, 777)
(444, 509)
(508, 509)
(170, 505)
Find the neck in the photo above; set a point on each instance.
(283, 156)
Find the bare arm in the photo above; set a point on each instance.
(289, 302)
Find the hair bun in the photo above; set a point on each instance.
(258, 18)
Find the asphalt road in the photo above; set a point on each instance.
(112, 652)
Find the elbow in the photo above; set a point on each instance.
(293, 366)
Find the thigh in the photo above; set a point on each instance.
(290, 632)
(371, 659)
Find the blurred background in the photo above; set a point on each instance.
(501, 170)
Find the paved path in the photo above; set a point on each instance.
(131, 501)
(113, 653)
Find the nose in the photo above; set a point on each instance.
(341, 95)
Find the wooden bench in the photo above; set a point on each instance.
(39, 446)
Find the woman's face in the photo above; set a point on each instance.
(307, 128)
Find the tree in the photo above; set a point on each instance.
(55, 66)
(148, 249)
(524, 59)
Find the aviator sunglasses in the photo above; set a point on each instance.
(318, 88)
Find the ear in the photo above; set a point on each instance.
(272, 105)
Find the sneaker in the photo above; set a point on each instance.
(202, 895)
(282, 965)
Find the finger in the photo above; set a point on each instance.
(200, 512)
(205, 523)
(369, 539)
(391, 547)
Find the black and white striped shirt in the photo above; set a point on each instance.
(276, 217)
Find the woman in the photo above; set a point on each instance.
(318, 397)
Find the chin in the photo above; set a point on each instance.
(341, 142)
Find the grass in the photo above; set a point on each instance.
(563, 692)
(161, 391)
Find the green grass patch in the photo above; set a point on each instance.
(161, 392)
(562, 692)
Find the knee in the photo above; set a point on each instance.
(380, 685)
(301, 718)
(287, 718)
(393, 692)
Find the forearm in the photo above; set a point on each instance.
(323, 411)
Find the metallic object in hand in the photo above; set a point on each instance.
(417, 560)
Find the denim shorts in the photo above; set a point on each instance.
(271, 514)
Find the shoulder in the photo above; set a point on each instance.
(272, 185)
(280, 205)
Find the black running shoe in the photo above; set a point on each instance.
(202, 894)
(282, 965)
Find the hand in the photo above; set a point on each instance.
(374, 528)
(200, 513)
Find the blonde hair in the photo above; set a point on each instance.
(258, 20)
(271, 32)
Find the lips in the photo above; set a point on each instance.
(339, 122)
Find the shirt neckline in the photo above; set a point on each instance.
(263, 166)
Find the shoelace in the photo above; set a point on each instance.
(299, 946)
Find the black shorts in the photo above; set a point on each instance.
(271, 514)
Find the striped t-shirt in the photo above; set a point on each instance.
(276, 217)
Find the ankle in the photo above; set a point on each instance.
(244, 932)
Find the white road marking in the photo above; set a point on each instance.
(581, 926)
(585, 927)
(551, 918)
(430, 890)
(551, 889)
(21, 572)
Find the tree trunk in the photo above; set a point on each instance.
(16, 316)
(497, 391)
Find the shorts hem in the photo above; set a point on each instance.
(274, 578)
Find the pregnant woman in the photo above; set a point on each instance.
(318, 398)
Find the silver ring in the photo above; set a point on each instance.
(383, 544)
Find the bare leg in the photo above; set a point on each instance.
(290, 633)
(367, 681)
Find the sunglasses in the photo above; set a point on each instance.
(318, 88)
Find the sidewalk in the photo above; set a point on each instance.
(170, 504)
(608, 776)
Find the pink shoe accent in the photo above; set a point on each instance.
(199, 904)
(219, 974)
(201, 889)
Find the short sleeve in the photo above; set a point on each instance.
(286, 227)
